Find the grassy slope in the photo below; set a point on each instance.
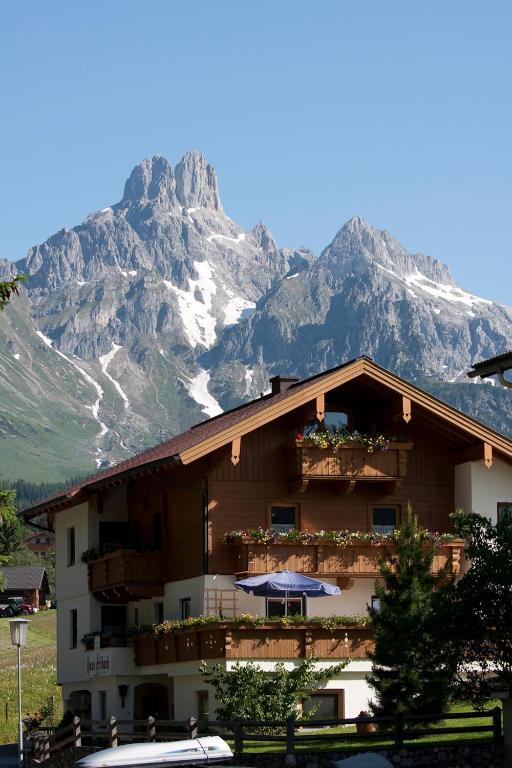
(38, 673)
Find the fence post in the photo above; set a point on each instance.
(37, 748)
(399, 730)
(238, 733)
(77, 732)
(151, 730)
(290, 736)
(113, 731)
(496, 725)
(192, 728)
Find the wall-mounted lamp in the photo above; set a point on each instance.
(123, 693)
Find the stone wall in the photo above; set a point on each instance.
(455, 756)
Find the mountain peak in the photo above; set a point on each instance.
(196, 182)
(191, 183)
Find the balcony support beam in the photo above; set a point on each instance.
(235, 450)
(320, 408)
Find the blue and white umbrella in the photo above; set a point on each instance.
(286, 584)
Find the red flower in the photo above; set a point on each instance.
(300, 436)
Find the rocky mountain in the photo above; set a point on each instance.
(159, 311)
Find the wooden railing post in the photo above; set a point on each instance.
(37, 748)
(151, 729)
(77, 732)
(238, 734)
(192, 728)
(290, 736)
(399, 730)
(113, 731)
(496, 725)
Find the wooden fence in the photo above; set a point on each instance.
(287, 736)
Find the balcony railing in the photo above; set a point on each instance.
(351, 560)
(352, 463)
(268, 641)
(126, 575)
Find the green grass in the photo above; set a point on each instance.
(38, 672)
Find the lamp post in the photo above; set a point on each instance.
(18, 629)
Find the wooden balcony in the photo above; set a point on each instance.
(126, 575)
(234, 641)
(352, 560)
(352, 464)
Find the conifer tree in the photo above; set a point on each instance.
(409, 674)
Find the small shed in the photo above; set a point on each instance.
(27, 581)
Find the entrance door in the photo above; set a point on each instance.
(151, 699)
(79, 703)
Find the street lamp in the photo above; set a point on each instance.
(18, 629)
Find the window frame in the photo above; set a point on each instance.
(501, 506)
(303, 607)
(71, 546)
(338, 692)
(158, 611)
(275, 503)
(73, 629)
(372, 507)
(184, 601)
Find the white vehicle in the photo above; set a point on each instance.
(203, 751)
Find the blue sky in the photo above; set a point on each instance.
(310, 111)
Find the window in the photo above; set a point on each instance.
(375, 604)
(384, 519)
(102, 704)
(185, 607)
(113, 620)
(283, 518)
(73, 628)
(202, 705)
(286, 606)
(327, 705)
(114, 532)
(335, 420)
(158, 612)
(71, 546)
(504, 509)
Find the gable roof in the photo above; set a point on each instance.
(492, 365)
(22, 576)
(214, 433)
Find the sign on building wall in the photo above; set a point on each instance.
(97, 664)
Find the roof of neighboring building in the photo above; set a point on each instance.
(492, 365)
(219, 431)
(22, 576)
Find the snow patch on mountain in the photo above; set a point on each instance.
(249, 375)
(196, 315)
(238, 239)
(443, 290)
(105, 361)
(198, 390)
(95, 407)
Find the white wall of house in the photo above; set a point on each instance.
(352, 681)
(478, 489)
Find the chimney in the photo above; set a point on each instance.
(282, 383)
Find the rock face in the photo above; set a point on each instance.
(159, 311)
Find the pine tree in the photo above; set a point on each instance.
(408, 671)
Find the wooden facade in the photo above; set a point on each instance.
(186, 510)
(352, 560)
(235, 641)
